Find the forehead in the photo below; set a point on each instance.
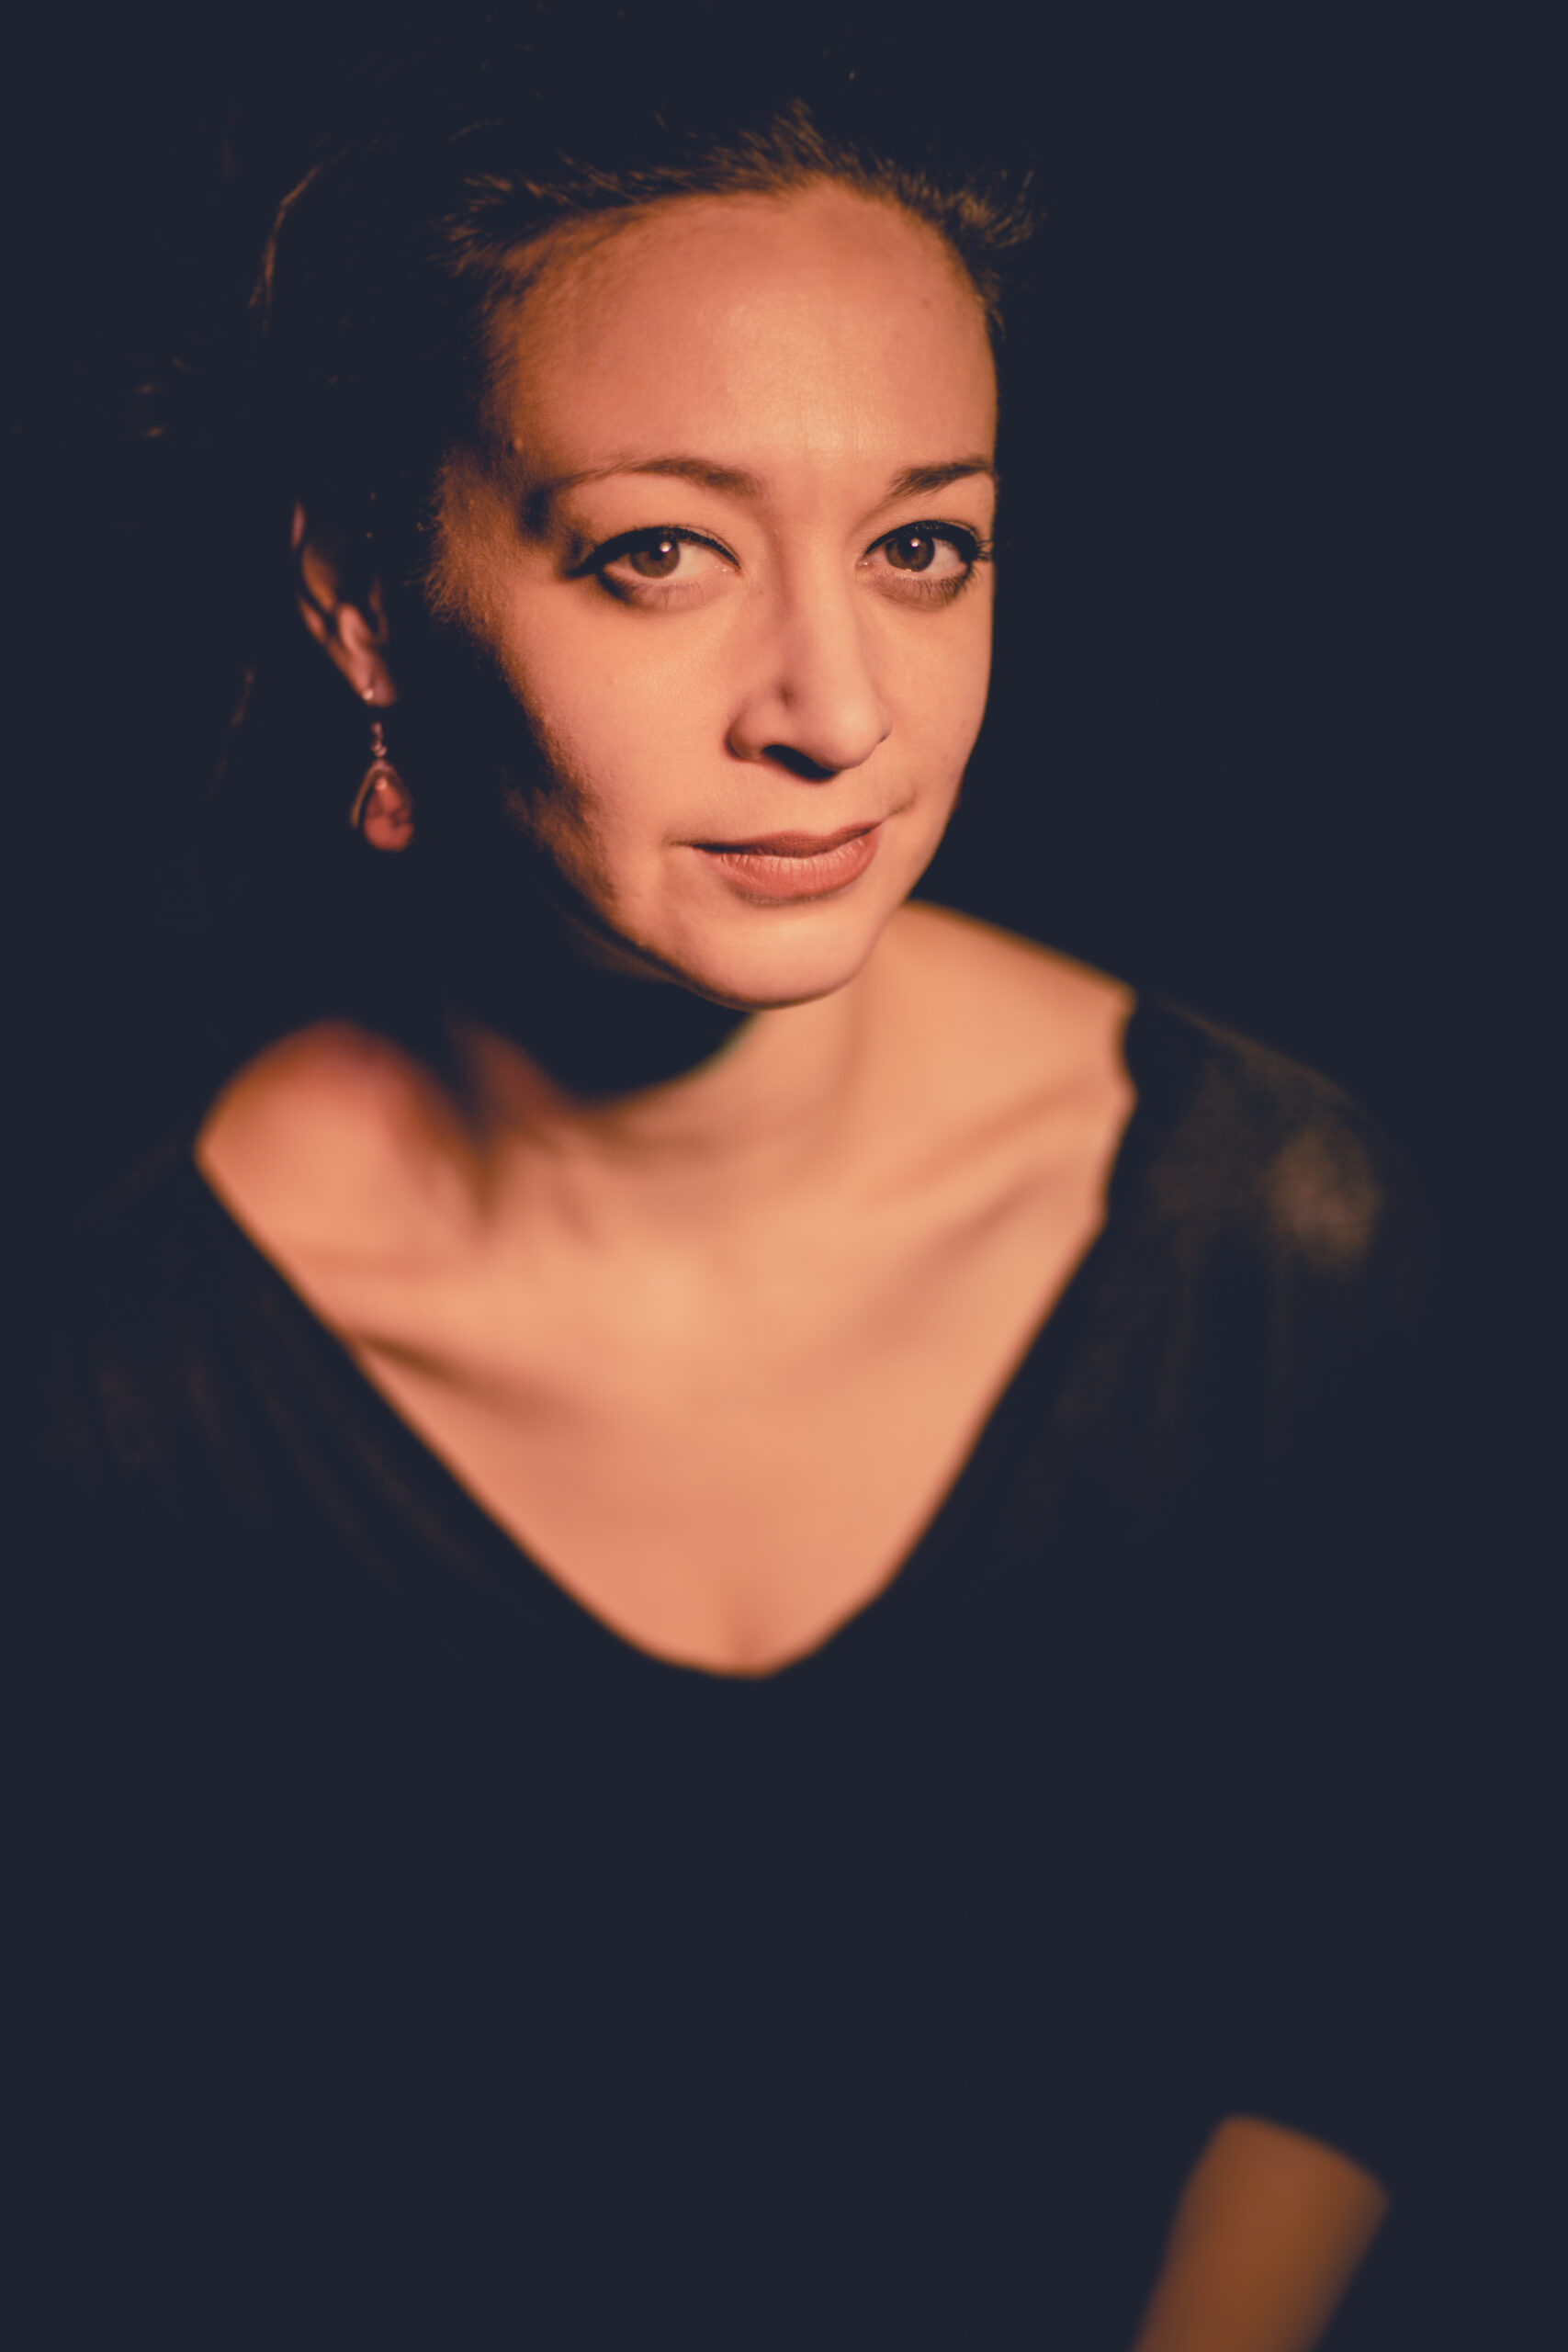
(747, 328)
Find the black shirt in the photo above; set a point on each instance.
(424, 1960)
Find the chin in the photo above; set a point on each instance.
(786, 959)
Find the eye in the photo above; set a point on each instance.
(926, 563)
(654, 567)
(655, 561)
(912, 551)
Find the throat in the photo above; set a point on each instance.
(599, 1035)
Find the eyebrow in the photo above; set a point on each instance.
(735, 481)
(931, 477)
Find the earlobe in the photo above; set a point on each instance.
(351, 632)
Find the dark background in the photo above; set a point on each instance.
(1262, 735)
(1265, 736)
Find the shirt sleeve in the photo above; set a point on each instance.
(1329, 1986)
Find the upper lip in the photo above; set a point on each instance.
(797, 844)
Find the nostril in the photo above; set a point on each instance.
(799, 765)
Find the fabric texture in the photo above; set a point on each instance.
(423, 1962)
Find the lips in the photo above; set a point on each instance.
(787, 844)
(793, 865)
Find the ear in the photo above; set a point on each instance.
(353, 633)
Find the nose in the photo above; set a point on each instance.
(814, 706)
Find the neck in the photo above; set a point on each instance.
(693, 1145)
(622, 1097)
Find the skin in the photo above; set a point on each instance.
(1267, 2237)
(713, 1347)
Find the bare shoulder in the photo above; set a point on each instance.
(1017, 1016)
(309, 1141)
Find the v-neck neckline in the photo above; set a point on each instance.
(480, 1535)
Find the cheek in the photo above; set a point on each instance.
(937, 680)
(621, 742)
(606, 715)
(603, 718)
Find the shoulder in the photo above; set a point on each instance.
(1001, 978)
(310, 1141)
(1242, 1136)
(1000, 1019)
(154, 1287)
(1231, 1144)
(1005, 1088)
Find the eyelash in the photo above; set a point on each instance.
(968, 544)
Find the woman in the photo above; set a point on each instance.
(726, 1535)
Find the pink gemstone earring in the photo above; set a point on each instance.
(383, 806)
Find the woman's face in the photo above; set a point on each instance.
(723, 534)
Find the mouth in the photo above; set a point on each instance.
(794, 865)
(788, 845)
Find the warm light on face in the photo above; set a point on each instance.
(724, 535)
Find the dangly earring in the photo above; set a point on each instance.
(383, 806)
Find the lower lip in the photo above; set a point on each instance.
(766, 874)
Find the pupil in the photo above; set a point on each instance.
(656, 563)
(912, 550)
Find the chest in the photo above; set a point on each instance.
(725, 1467)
